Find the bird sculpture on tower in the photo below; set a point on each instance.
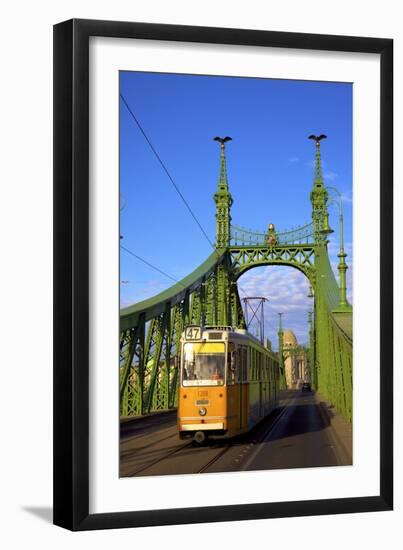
(317, 138)
(222, 141)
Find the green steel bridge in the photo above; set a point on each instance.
(150, 330)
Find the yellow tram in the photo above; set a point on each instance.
(228, 382)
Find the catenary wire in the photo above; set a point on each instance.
(165, 169)
(151, 265)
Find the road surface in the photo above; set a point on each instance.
(297, 435)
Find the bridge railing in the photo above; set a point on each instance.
(244, 237)
(334, 343)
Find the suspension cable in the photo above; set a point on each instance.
(151, 265)
(166, 170)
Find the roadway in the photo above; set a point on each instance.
(297, 435)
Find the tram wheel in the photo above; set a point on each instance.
(199, 438)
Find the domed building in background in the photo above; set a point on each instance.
(290, 340)
(296, 366)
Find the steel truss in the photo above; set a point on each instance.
(301, 257)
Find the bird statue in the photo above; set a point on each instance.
(222, 140)
(317, 138)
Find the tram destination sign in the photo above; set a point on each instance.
(193, 333)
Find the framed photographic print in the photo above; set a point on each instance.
(223, 274)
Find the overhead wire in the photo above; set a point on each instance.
(151, 265)
(266, 321)
(165, 169)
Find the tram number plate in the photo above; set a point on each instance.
(193, 333)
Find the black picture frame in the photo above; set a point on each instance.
(71, 274)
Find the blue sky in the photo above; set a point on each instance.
(270, 173)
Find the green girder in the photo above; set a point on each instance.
(129, 316)
(302, 257)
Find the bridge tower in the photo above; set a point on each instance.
(223, 200)
(319, 198)
(227, 302)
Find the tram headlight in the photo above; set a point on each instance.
(202, 411)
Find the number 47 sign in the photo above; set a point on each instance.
(193, 333)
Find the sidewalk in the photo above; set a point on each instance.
(340, 429)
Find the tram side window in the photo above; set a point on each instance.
(257, 359)
(252, 364)
(244, 352)
(240, 363)
(231, 363)
(255, 366)
(259, 366)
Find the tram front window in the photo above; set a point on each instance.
(203, 364)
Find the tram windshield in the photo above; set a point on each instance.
(203, 364)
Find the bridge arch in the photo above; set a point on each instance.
(308, 272)
(288, 292)
(300, 257)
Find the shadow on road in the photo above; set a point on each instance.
(142, 424)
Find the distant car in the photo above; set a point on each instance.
(306, 386)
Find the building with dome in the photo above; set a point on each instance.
(296, 366)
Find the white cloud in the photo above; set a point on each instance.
(330, 175)
(287, 290)
(347, 197)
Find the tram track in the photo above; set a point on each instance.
(223, 450)
(214, 459)
(255, 442)
(158, 460)
(189, 445)
(149, 445)
(265, 436)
